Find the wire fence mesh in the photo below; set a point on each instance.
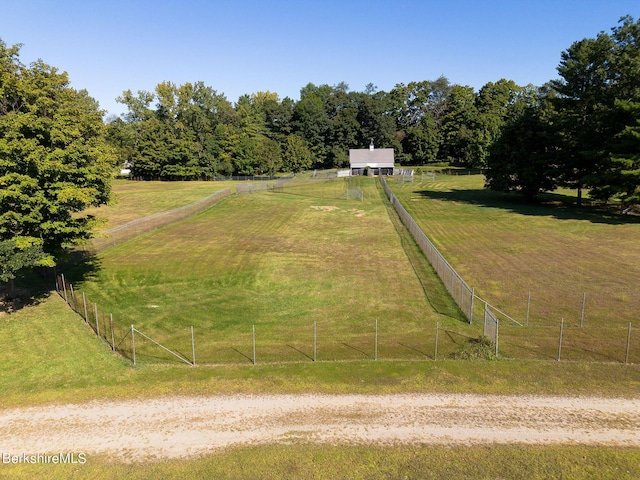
(373, 340)
(127, 231)
(462, 294)
(370, 341)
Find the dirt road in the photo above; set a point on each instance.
(171, 427)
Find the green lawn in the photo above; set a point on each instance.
(279, 262)
(326, 462)
(49, 355)
(133, 200)
(553, 251)
(242, 264)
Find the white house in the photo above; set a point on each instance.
(379, 161)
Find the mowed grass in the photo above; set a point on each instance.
(328, 462)
(555, 252)
(278, 263)
(49, 355)
(133, 200)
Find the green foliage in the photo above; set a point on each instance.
(458, 132)
(297, 156)
(54, 162)
(21, 253)
(599, 79)
(269, 156)
(619, 179)
(524, 158)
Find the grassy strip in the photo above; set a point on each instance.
(49, 355)
(133, 200)
(364, 462)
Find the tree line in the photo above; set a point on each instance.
(58, 155)
(190, 131)
(580, 130)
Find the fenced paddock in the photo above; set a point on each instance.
(544, 264)
(273, 277)
(277, 261)
(537, 262)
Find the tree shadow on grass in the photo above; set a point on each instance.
(23, 297)
(554, 205)
(31, 288)
(35, 285)
(78, 266)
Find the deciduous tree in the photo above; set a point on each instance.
(54, 162)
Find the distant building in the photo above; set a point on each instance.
(378, 161)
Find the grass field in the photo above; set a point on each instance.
(133, 200)
(48, 354)
(281, 262)
(553, 251)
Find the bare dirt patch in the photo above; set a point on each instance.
(172, 427)
(325, 208)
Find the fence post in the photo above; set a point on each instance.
(95, 309)
(315, 341)
(584, 301)
(253, 335)
(435, 353)
(375, 346)
(560, 341)
(64, 286)
(528, 309)
(193, 347)
(626, 355)
(473, 297)
(73, 295)
(113, 340)
(84, 302)
(133, 344)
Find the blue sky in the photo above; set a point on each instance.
(244, 46)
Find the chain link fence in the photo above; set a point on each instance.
(462, 294)
(371, 340)
(127, 231)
